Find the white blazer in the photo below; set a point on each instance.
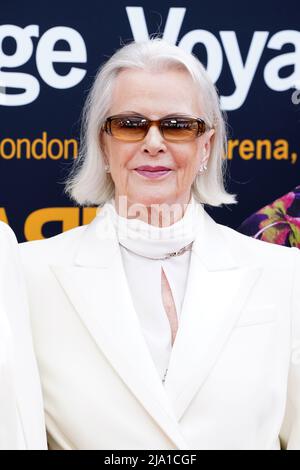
(22, 425)
(234, 375)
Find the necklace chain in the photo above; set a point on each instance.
(167, 256)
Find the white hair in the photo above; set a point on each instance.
(88, 183)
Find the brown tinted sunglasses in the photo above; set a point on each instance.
(173, 128)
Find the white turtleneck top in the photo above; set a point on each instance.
(144, 275)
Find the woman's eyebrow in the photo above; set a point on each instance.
(136, 113)
(178, 113)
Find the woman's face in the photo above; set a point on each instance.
(155, 95)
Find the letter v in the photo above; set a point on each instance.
(139, 28)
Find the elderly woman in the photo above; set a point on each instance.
(22, 425)
(155, 327)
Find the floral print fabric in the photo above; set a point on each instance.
(278, 222)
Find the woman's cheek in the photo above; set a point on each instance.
(184, 172)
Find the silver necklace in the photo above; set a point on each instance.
(168, 255)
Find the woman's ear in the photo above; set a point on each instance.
(102, 141)
(207, 145)
(103, 146)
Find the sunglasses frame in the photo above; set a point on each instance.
(202, 127)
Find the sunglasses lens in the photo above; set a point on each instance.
(174, 129)
(182, 129)
(129, 128)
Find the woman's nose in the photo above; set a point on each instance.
(154, 141)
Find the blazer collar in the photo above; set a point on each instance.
(99, 244)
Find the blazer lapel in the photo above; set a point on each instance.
(97, 287)
(217, 290)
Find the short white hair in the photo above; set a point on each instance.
(88, 183)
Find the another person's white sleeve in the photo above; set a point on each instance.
(290, 431)
(21, 407)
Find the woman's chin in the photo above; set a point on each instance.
(149, 199)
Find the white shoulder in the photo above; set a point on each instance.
(296, 304)
(6, 234)
(290, 429)
(9, 252)
(57, 248)
(253, 250)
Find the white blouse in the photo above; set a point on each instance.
(138, 238)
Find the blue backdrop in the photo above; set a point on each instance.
(49, 55)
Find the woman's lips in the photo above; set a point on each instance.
(152, 174)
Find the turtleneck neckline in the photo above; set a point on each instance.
(150, 241)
